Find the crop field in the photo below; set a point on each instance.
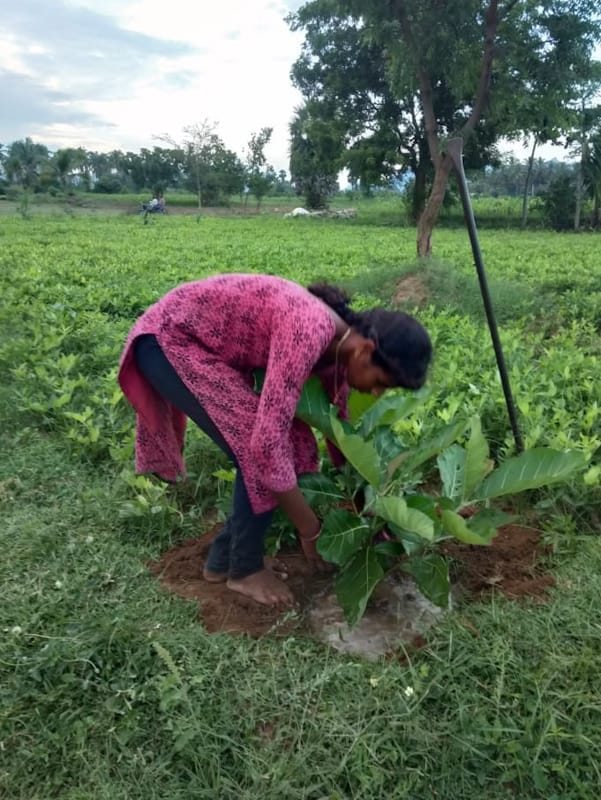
(111, 689)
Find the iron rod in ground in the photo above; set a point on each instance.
(455, 151)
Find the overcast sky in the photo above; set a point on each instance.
(113, 74)
(110, 74)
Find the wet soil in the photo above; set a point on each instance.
(511, 565)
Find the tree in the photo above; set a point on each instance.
(214, 172)
(448, 67)
(64, 161)
(260, 175)
(104, 165)
(24, 161)
(282, 185)
(343, 75)
(316, 146)
(592, 177)
(587, 122)
(551, 78)
(507, 178)
(153, 169)
(560, 202)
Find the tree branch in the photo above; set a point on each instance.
(492, 22)
(504, 12)
(425, 85)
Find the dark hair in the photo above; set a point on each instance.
(403, 347)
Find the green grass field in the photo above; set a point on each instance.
(111, 689)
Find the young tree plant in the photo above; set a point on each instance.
(389, 522)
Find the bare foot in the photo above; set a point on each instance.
(275, 565)
(265, 588)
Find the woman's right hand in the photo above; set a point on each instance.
(309, 546)
(306, 523)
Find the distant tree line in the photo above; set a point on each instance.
(200, 163)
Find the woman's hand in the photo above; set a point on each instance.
(306, 523)
(309, 546)
(314, 560)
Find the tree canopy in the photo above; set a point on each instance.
(400, 77)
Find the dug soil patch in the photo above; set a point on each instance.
(510, 565)
(410, 291)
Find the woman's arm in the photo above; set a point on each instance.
(307, 524)
(300, 513)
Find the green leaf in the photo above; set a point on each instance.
(358, 403)
(452, 466)
(487, 520)
(477, 463)
(362, 455)
(396, 510)
(388, 409)
(424, 503)
(387, 444)
(314, 407)
(411, 542)
(356, 583)
(412, 459)
(342, 534)
(540, 466)
(458, 527)
(228, 475)
(431, 573)
(318, 488)
(390, 549)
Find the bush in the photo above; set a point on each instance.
(559, 203)
(108, 184)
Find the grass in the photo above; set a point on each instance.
(113, 690)
(385, 209)
(110, 688)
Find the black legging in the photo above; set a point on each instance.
(238, 549)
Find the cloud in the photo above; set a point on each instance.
(117, 72)
(28, 104)
(79, 49)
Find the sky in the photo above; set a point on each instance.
(116, 74)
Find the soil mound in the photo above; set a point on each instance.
(510, 565)
(410, 291)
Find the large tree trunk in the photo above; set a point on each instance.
(428, 219)
(442, 164)
(527, 183)
(580, 174)
(418, 200)
(198, 186)
(580, 184)
(596, 218)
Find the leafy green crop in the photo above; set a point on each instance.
(414, 522)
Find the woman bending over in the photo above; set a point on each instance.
(193, 353)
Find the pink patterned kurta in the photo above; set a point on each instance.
(215, 332)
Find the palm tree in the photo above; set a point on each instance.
(63, 162)
(23, 162)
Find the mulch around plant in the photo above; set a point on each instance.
(510, 565)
